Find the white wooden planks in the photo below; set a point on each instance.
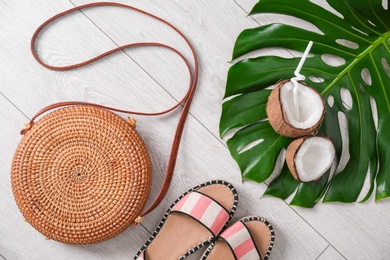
(143, 79)
(330, 254)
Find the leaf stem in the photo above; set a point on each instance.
(382, 85)
(360, 21)
(377, 16)
(369, 50)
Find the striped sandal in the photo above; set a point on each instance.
(250, 238)
(193, 221)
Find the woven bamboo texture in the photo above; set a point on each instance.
(81, 175)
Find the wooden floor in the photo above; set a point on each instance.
(149, 79)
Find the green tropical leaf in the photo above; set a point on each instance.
(283, 185)
(356, 35)
(256, 149)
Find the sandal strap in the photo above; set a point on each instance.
(203, 209)
(141, 256)
(240, 242)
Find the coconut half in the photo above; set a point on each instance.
(290, 120)
(308, 158)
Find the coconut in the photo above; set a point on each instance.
(310, 157)
(291, 121)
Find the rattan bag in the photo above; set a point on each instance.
(82, 174)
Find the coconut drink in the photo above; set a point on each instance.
(294, 119)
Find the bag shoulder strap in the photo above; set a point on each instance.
(186, 101)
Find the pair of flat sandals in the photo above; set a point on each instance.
(200, 218)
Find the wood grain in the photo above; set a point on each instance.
(149, 80)
(330, 254)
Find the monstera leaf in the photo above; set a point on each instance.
(356, 89)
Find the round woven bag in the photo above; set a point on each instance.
(81, 174)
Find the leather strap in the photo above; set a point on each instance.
(186, 101)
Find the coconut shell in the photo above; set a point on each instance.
(291, 152)
(278, 118)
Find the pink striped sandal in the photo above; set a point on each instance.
(193, 221)
(250, 238)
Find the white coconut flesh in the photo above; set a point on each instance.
(310, 106)
(313, 158)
